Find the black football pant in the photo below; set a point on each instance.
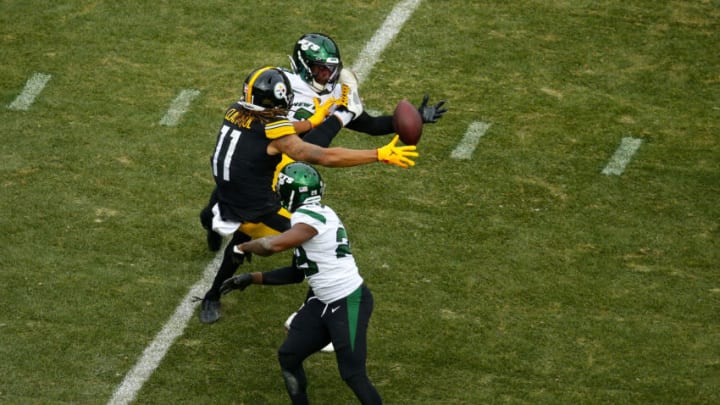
(344, 323)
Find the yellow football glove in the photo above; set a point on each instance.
(397, 155)
(321, 111)
(350, 100)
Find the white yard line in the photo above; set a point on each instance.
(178, 107)
(126, 392)
(383, 36)
(174, 327)
(622, 156)
(467, 145)
(33, 88)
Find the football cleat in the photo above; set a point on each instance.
(209, 311)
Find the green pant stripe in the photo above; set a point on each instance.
(353, 308)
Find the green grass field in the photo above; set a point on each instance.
(523, 275)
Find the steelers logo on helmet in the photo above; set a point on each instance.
(280, 91)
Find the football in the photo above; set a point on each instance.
(407, 122)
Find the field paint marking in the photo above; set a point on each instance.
(152, 356)
(178, 107)
(154, 353)
(467, 145)
(33, 87)
(622, 156)
(383, 36)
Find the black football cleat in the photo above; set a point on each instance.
(209, 311)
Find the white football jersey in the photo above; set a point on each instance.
(303, 106)
(303, 95)
(329, 266)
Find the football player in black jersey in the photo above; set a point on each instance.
(317, 76)
(254, 135)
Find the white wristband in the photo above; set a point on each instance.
(345, 116)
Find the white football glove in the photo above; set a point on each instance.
(349, 77)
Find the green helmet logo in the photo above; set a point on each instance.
(298, 184)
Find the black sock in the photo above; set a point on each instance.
(228, 267)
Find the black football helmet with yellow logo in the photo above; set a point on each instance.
(267, 88)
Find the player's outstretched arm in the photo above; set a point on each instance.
(279, 276)
(295, 148)
(270, 245)
(373, 126)
(383, 125)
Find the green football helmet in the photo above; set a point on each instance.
(316, 49)
(298, 184)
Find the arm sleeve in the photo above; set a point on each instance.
(324, 133)
(382, 125)
(283, 275)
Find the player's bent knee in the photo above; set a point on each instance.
(288, 361)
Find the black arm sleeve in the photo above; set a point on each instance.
(324, 133)
(283, 275)
(382, 125)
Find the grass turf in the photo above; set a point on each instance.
(523, 275)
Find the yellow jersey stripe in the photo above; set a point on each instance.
(278, 129)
